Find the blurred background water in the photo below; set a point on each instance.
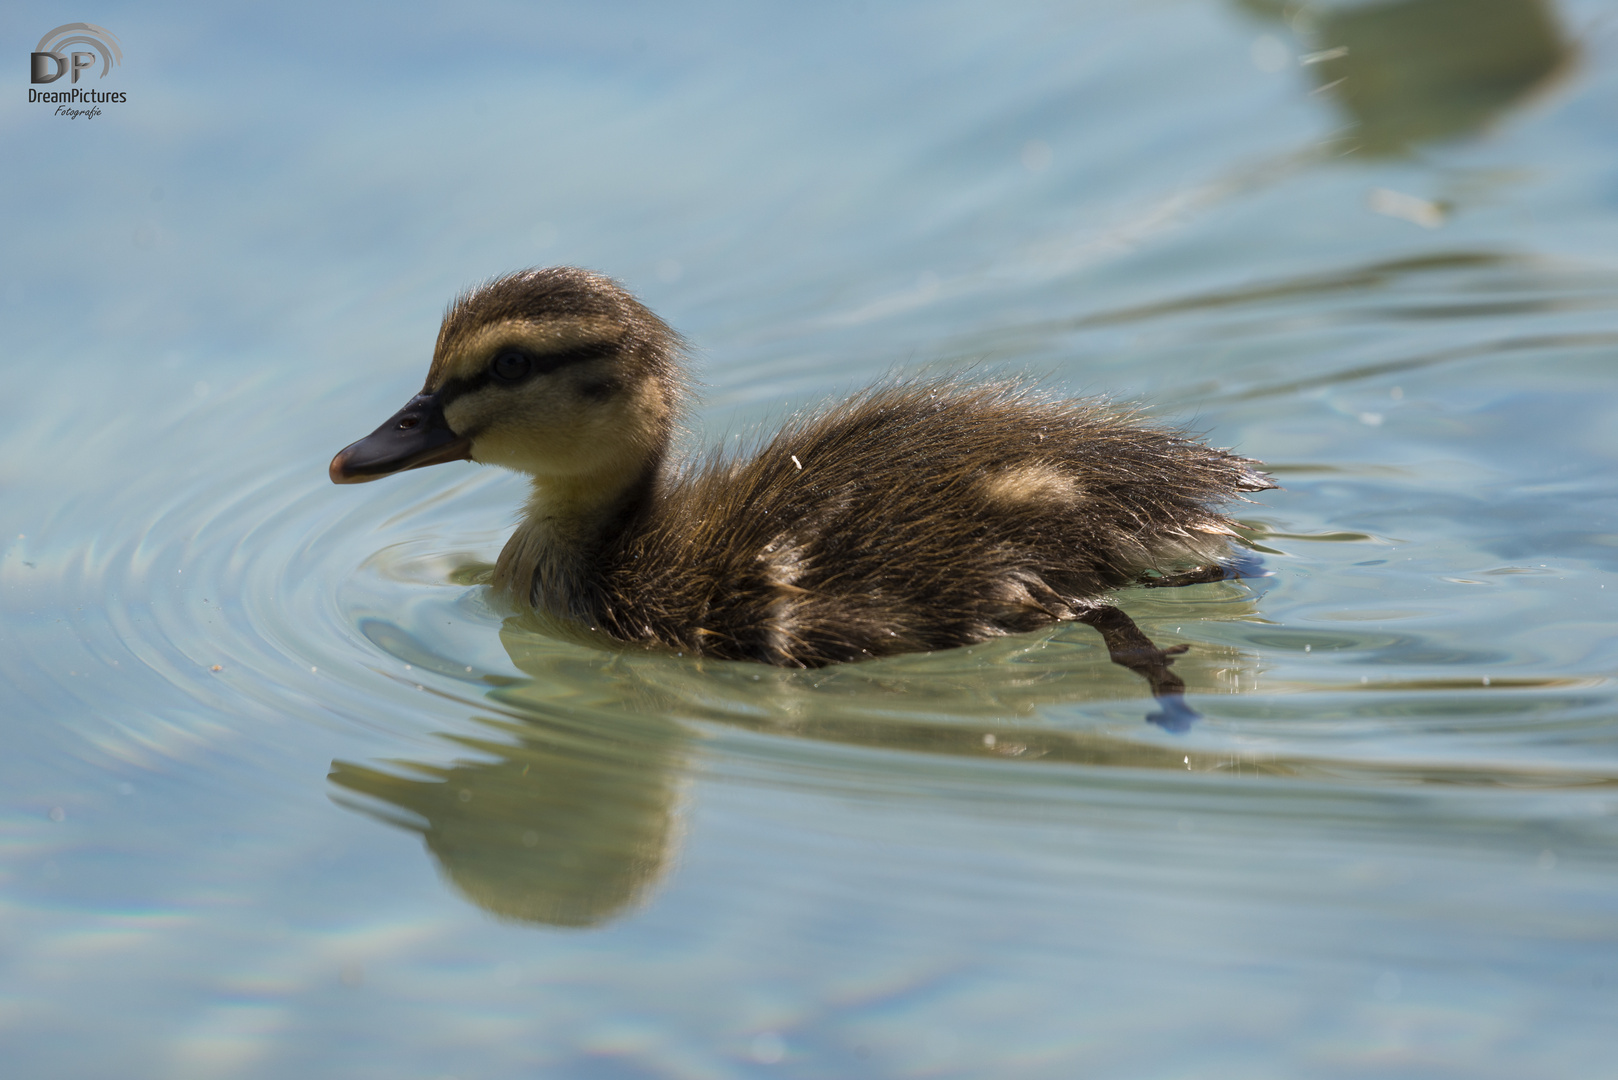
(284, 795)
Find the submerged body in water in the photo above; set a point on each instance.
(915, 516)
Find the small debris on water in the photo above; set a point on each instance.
(1324, 55)
(1412, 208)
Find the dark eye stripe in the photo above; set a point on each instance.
(543, 363)
(578, 354)
(454, 388)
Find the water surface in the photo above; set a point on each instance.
(287, 793)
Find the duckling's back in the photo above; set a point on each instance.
(915, 516)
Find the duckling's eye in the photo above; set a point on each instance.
(509, 365)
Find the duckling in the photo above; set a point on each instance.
(918, 515)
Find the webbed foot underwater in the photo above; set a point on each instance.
(916, 515)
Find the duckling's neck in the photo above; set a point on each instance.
(552, 560)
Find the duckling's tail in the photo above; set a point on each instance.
(1252, 478)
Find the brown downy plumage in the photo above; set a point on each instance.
(917, 515)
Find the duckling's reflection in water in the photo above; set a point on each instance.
(560, 825)
(1408, 72)
(570, 815)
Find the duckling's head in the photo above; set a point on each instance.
(558, 373)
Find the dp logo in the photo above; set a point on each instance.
(51, 53)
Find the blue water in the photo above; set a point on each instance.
(286, 794)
